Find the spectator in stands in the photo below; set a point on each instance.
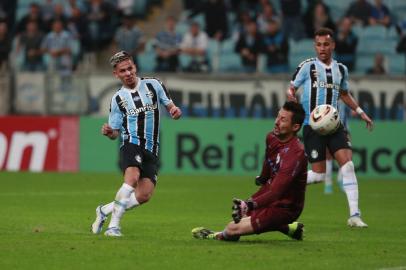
(8, 12)
(276, 48)
(360, 12)
(166, 45)
(34, 14)
(29, 43)
(215, 17)
(267, 14)
(243, 18)
(346, 44)
(292, 24)
(101, 29)
(126, 7)
(379, 65)
(380, 14)
(194, 44)
(318, 16)
(57, 44)
(5, 45)
(58, 14)
(77, 26)
(47, 10)
(249, 45)
(74, 5)
(129, 38)
(401, 29)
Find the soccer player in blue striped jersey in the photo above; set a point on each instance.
(324, 81)
(134, 115)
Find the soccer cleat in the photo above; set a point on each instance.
(203, 233)
(356, 221)
(113, 232)
(97, 225)
(296, 230)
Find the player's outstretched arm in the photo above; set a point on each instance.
(174, 111)
(348, 99)
(108, 131)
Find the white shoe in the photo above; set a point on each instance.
(97, 225)
(356, 221)
(113, 232)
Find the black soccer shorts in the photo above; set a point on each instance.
(132, 155)
(316, 145)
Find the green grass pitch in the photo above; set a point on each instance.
(45, 220)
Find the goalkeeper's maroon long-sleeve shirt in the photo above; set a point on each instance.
(285, 165)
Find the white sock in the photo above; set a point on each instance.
(107, 209)
(329, 172)
(313, 177)
(350, 186)
(120, 204)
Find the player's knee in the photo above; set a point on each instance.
(347, 168)
(143, 197)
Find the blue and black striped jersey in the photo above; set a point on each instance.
(321, 83)
(135, 112)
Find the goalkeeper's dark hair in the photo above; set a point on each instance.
(297, 110)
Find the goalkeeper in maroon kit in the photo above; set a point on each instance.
(279, 202)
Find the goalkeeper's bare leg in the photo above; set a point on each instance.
(232, 232)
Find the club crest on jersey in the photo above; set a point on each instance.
(314, 154)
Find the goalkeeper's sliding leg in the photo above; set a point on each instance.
(234, 231)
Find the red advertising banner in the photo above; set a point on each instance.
(39, 143)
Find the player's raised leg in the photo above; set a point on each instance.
(103, 211)
(121, 200)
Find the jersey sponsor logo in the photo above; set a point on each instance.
(147, 107)
(323, 84)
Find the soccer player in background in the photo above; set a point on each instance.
(134, 115)
(279, 201)
(324, 80)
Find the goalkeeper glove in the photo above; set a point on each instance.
(260, 180)
(240, 209)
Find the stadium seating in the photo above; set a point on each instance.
(146, 59)
(299, 51)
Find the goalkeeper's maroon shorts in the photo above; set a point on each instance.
(272, 218)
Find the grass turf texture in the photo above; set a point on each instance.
(45, 221)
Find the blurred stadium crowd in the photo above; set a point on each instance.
(269, 36)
